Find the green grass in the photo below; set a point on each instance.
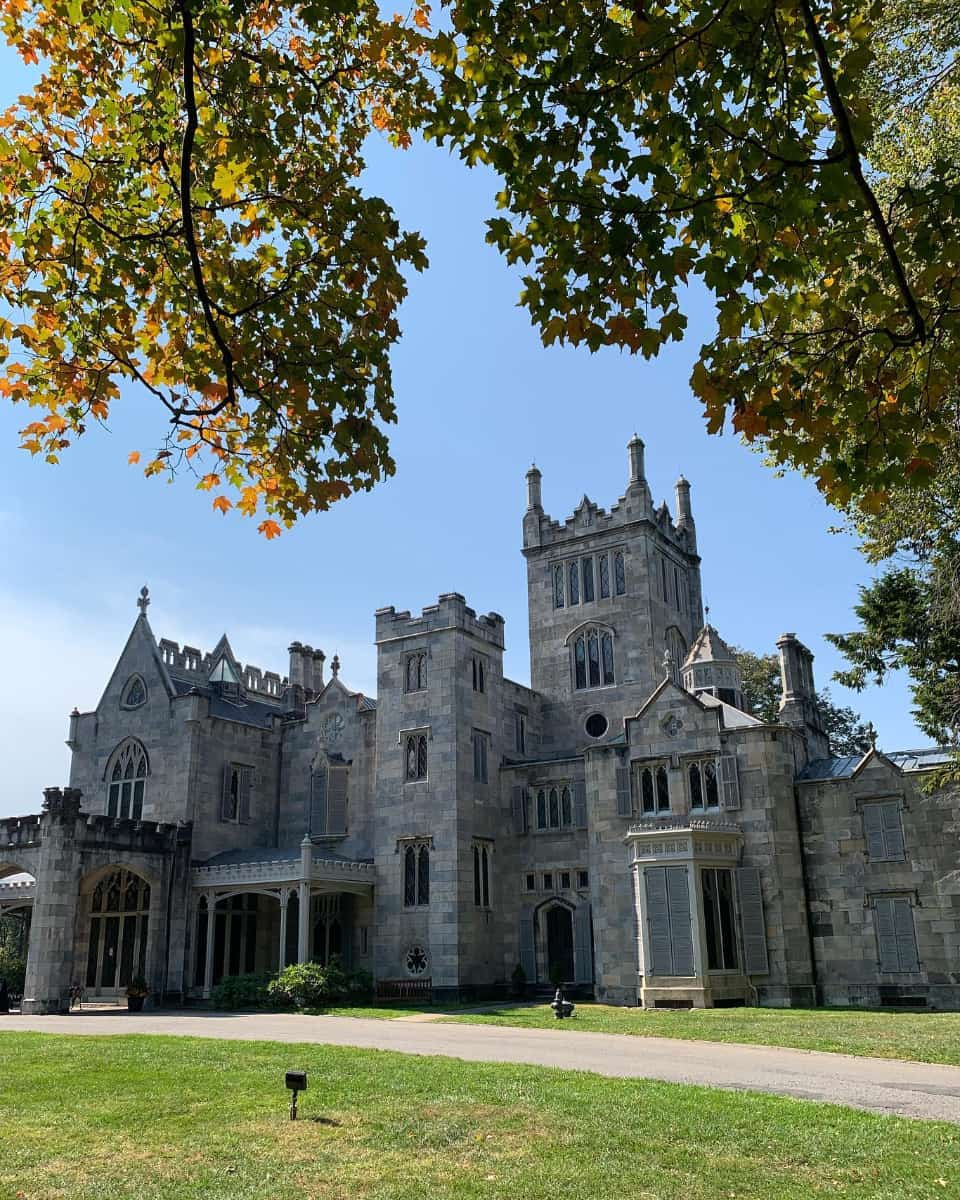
(922, 1036)
(87, 1118)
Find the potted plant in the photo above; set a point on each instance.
(137, 992)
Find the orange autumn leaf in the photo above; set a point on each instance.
(269, 529)
(222, 504)
(133, 457)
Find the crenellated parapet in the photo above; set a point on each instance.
(190, 662)
(450, 612)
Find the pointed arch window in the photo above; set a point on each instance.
(481, 875)
(555, 807)
(127, 781)
(416, 756)
(619, 573)
(654, 789)
(415, 676)
(574, 575)
(134, 692)
(593, 663)
(416, 874)
(558, 585)
(704, 785)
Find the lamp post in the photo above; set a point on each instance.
(296, 1082)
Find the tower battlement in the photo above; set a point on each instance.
(450, 612)
(197, 664)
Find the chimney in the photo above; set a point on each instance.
(798, 702)
(635, 453)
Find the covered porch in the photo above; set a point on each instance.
(256, 911)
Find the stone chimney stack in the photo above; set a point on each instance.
(534, 498)
(635, 449)
(318, 660)
(798, 702)
(684, 521)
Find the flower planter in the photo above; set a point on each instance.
(135, 1003)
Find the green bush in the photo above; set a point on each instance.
(242, 991)
(13, 968)
(310, 985)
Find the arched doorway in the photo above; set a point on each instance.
(559, 921)
(117, 950)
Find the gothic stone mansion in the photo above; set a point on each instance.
(624, 823)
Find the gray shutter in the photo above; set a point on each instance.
(580, 804)
(246, 781)
(752, 924)
(520, 810)
(225, 793)
(729, 782)
(624, 807)
(338, 777)
(658, 921)
(873, 830)
(528, 950)
(318, 801)
(906, 934)
(582, 945)
(886, 934)
(681, 932)
(891, 820)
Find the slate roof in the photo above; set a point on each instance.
(733, 718)
(709, 646)
(843, 767)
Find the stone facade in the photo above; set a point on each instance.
(623, 824)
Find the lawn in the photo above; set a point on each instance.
(922, 1036)
(88, 1118)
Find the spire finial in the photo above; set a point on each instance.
(706, 614)
(335, 666)
(144, 602)
(667, 664)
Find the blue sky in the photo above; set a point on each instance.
(478, 399)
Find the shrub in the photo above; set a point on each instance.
(13, 968)
(310, 985)
(242, 991)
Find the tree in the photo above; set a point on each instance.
(760, 680)
(179, 210)
(646, 144)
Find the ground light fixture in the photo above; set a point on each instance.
(296, 1082)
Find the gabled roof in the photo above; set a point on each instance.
(709, 646)
(848, 765)
(223, 672)
(733, 718)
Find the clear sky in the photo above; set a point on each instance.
(478, 399)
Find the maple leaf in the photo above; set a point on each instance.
(133, 457)
(222, 504)
(269, 529)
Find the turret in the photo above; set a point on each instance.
(534, 498)
(712, 667)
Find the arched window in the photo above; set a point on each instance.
(678, 652)
(654, 790)
(416, 756)
(704, 785)
(593, 659)
(134, 692)
(574, 576)
(416, 875)
(416, 674)
(423, 876)
(554, 808)
(619, 573)
(127, 781)
(119, 913)
(481, 876)
(558, 586)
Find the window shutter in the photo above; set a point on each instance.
(752, 924)
(318, 801)
(886, 934)
(580, 804)
(520, 810)
(225, 795)
(906, 935)
(729, 781)
(681, 933)
(873, 830)
(245, 781)
(528, 951)
(338, 777)
(891, 819)
(582, 945)
(624, 807)
(658, 921)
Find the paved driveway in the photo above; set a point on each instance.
(876, 1084)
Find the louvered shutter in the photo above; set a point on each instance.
(752, 924)
(338, 777)
(886, 934)
(658, 921)
(729, 781)
(318, 801)
(225, 800)
(520, 810)
(528, 951)
(873, 831)
(624, 807)
(580, 804)
(681, 933)
(582, 945)
(245, 781)
(906, 935)
(891, 819)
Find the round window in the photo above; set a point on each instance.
(596, 725)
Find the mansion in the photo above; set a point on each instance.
(623, 824)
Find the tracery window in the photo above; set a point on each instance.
(558, 585)
(574, 583)
(119, 913)
(586, 571)
(415, 675)
(593, 659)
(416, 875)
(654, 789)
(481, 875)
(554, 807)
(704, 785)
(603, 571)
(127, 781)
(416, 756)
(479, 681)
(481, 749)
(134, 693)
(619, 573)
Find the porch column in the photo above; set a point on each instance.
(284, 901)
(303, 931)
(211, 937)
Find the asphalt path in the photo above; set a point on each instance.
(880, 1085)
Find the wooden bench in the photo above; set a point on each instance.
(417, 990)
